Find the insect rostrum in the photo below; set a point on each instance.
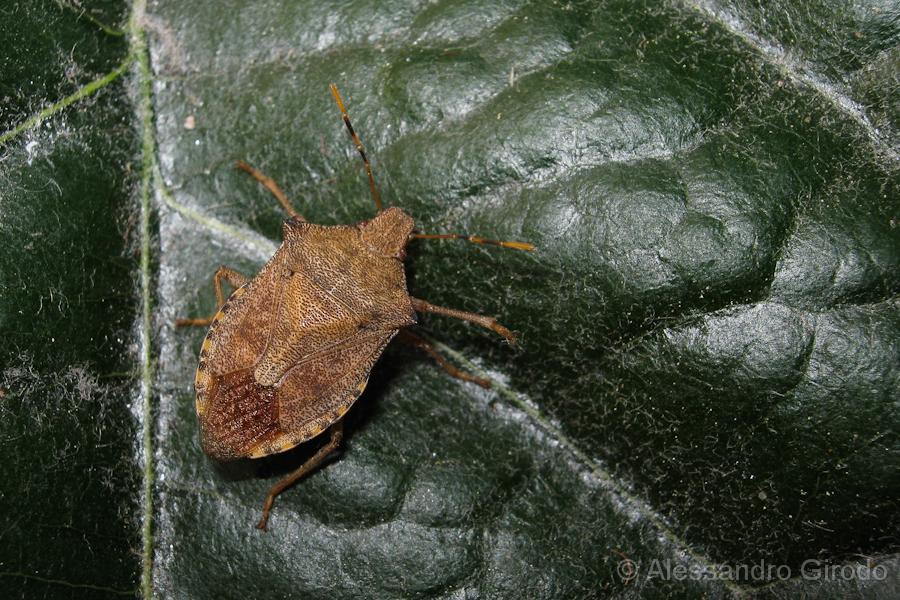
(290, 351)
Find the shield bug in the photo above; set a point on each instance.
(290, 351)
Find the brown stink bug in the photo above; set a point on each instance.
(290, 351)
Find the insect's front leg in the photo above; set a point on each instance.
(270, 185)
(234, 278)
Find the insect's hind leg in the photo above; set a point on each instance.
(234, 278)
(337, 434)
(408, 337)
(270, 185)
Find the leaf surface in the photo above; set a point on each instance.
(707, 375)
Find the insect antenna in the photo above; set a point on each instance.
(359, 147)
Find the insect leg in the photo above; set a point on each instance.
(270, 185)
(422, 344)
(337, 433)
(486, 322)
(233, 277)
(472, 238)
(359, 147)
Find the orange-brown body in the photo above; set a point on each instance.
(289, 352)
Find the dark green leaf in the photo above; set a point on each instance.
(710, 336)
(68, 479)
